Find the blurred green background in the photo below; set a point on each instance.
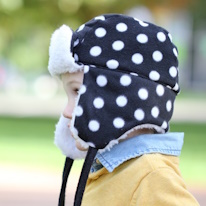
(27, 142)
(31, 101)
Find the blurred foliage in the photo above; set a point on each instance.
(197, 9)
(26, 25)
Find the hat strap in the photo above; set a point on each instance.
(84, 175)
(66, 171)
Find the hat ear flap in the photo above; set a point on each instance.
(61, 59)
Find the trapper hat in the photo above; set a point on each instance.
(130, 80)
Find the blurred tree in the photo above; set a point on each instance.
(197, 10)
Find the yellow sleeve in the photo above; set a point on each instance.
(163, 187)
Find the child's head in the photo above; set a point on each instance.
(72, 83)
(130, 76)
(129, 70)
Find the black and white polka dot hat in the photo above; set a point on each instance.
(130, 77)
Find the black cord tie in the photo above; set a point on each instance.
(66, 171)
(84, 175)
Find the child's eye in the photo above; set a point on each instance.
(76, 90)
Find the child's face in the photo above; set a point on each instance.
(71, 83)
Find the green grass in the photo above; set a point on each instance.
(28, 142)
(193, 156)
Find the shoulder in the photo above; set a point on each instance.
(145, 168)
(162, 183)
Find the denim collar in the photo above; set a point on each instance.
(168, 143)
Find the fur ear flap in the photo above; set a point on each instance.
(65, 142)
(60, 55)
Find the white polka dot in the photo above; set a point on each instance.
(143, 23)
(100, 32)
(79, 111)
(81, 27)
(94, 125)
(142, 38)
(170, 36)
(155, 112)
(137, 58)
(139, 114)
(76, 57)
(143, 94)
(164, 125)
(169, 105)
(101, 80)
(121, 27)
(160, 90)
(161, 36)
(100, 18)
(176, 87)
(95, 51)
(86, 69)
(118, 45)
(125, 80)
(175, 52)
(82, 89)
(98, 102)
(118, 122)
(76, 42)
(136, 19)
(121, 101)
(134, 74)
(157, 56)
(154, 75)
(112, 64)
(173, 72)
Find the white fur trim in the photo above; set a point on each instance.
(60, 56)
(65, 142)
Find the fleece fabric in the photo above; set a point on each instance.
(152, 179)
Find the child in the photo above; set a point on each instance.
(121, 78)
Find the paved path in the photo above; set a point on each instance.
(27, 187)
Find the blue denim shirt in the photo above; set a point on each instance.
(168, 143)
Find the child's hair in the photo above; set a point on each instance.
(130, 77)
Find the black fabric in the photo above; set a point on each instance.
(113, 118)
(84, 175)
(130, 80)
(88, 38)
(66, 171)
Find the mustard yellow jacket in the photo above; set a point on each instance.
(148, 180)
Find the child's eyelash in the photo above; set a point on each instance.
(76, 89)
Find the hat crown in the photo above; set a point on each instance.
(125, 44)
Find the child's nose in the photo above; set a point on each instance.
(67, 113)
